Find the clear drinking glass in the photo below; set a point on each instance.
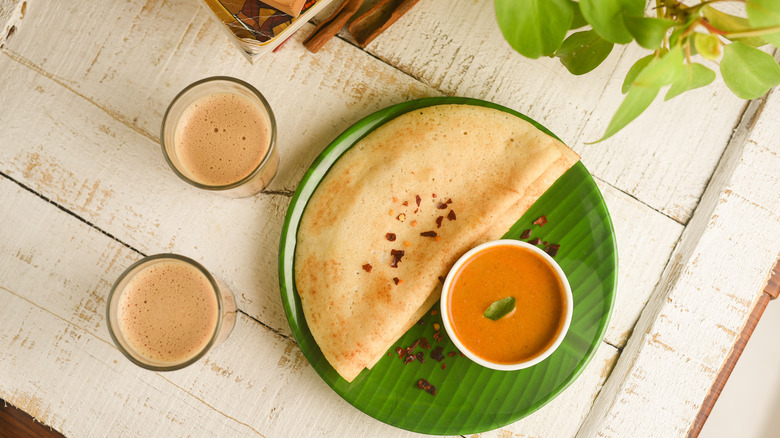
(252, 183)
(222, 321)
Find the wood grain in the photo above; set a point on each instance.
(15, 423)
(771, 291)
(707, 292)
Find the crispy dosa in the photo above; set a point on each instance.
(475, 170)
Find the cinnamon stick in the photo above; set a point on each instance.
(331, 26)
(373, 22)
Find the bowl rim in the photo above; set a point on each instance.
(445, 292)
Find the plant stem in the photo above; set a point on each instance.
(753, 32)
(695, 8)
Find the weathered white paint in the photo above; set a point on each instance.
(706, 294)
(664, 158)
(60, 365)
(80, 114)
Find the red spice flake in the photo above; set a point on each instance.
(405, 203)
(390, 237)
(389, 354)
(409, 359)
(397, 254)
(437, 354)
(536, 241)
(433, 194)
(451, 354)
(367, 267)
(428, 234)
(541, 220)
(437, 238)
(444, 366)
(407, 243)
(401, 217)
(392, 212)
(526, 234)
(438, 221)
(435, 312)
(400, 351)
(396, 280)
(426, 386)
(417, 199)
(416, 210)
(442, 281)
(395, 199)
(421, 357)
(441, 205)
(437, 336)
(552, 249)
(424, 343)
(413, 223)
(449, 200)
(451, 215)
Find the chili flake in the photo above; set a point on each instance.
(405, 203)
(413, 223)
(424, 343)
(436, 312)
(397, 254)
(451, 354)
(408, 359)
(541, 220)
(390, 237)
(441, 206)
(552, 249)
(451, 215)
(428, 234)
(426, 386)
(437, 354)
(438, 221)
(407, 243)
(400, 351)
(367, 267)
(396, 280)
(536, 241)
(417, 199)
(526, 234)
(444, 366)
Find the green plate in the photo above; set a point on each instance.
(471, 398)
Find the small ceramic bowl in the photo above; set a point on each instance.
(568, 306)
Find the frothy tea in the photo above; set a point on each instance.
(168, 312)
(222, 138)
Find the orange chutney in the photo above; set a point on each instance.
(496, 273)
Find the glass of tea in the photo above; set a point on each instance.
(219, 134)
(166, 311)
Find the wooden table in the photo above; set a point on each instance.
(693, 187)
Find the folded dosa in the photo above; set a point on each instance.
(475, 170)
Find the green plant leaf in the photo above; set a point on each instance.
(691, 76)
(748, 71)
(583, 51)
(660, 71)
(765, 13)
(606, 17)
(648, 32)
(577, 20)
(731, 23)
(707, 45)
(534, 27)
(634, 71)
(500, 308)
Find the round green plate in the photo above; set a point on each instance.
(471, 398)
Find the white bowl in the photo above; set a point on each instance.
(568, 306)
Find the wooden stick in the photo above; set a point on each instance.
(771, 291)
(330, 27)
(374, 21)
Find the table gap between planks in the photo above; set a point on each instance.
(84, 193)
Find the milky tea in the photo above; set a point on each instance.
(166, 311)
(219, 134)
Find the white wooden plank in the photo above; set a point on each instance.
(60, 366)
(138, 55)
(53, 150)
(664, 158)
(11, 11)
(708, 290)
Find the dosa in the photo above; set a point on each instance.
(399, 208)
